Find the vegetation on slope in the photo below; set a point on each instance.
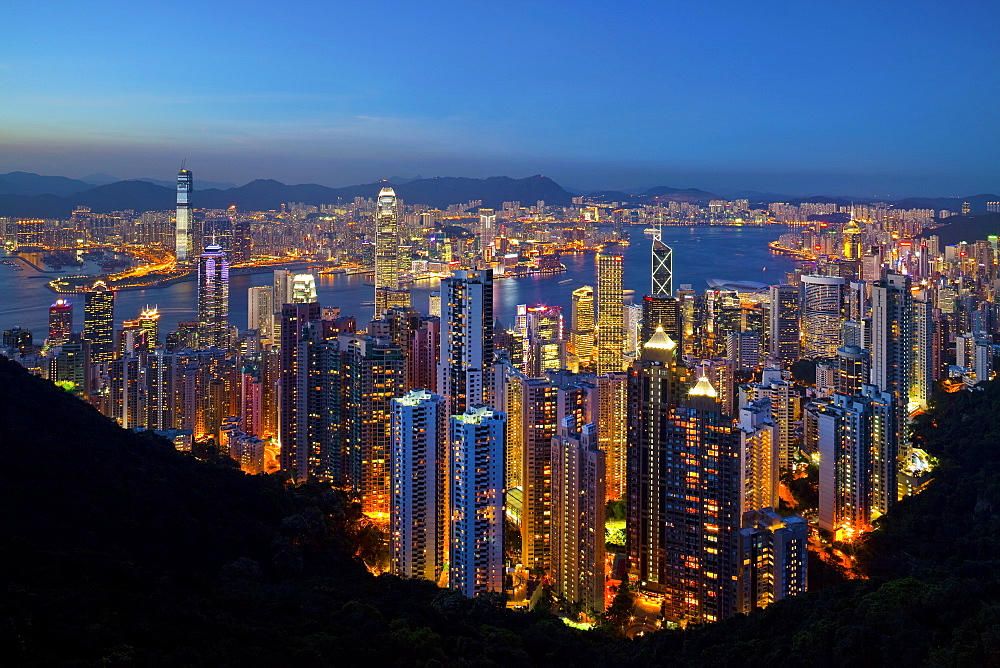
(120, 551)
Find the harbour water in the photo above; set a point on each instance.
(700, 253)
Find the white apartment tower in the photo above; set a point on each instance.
(476, 501)
(417, 516)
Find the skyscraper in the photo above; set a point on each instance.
(291, 403)
(476, 501)
(98, 322)
(661, 311)
(149, 324)
(578, 501)
(653, 387)
(60, 322)
(182, 234)
(418, 517)
(466, 337)
(386, 248)
(213, 298)
(698, 566)
(784, 342)
(581, 336)
(610, 313)
(304, 289)
(663, 268)
(892, 350)
(858, 459)
(260, 310)
(822, 309)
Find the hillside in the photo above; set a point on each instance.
(266, 194)
(957, 229)
(120, 551)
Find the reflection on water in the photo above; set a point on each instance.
(735, 253)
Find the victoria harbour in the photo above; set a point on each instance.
(700, 253)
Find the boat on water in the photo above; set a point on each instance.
(651, 230)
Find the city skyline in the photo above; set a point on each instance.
(798, 99)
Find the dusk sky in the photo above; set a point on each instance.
(890, 98)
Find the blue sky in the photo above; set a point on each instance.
(867, 98)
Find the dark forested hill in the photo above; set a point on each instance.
(118, 550)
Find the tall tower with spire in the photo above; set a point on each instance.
(386, 249)
(182, 233)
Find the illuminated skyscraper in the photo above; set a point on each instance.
(663, 268)
(653, 387)
(386, 248)
(182, 234)
(466, 337)
(476, 501)
(822, 315)
(149, 323)
(784, 331)
(610, 313)
(98, 322)
(689, 549)
(418, 521)
(304, 289)
(758, 457)
(662, 312)
(578, 501)
(544, 345)
(581, 336)
(292, 401)
(544, 404)
(213, 298)
(260, 310)
(892, 351)
(858, 459)
(60, 322)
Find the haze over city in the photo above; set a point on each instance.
(890, 99)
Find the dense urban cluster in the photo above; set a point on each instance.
(641, 447)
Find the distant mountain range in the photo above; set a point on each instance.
(24, 194)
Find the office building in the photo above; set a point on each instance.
(60, 322)
(580, 347)
(822, 307)
(149, 325)
(653, 387)
(182, 233)
(663, 269)
(784, 330)
(98, 322)
(386, 248)
(294, 456)
(684, 497)
(260, 310)
(610, 315)
(660, 311)
(476, 501)
(544, 344)
(892, 350)
(213, 298)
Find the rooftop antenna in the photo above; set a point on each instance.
(183, 164)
